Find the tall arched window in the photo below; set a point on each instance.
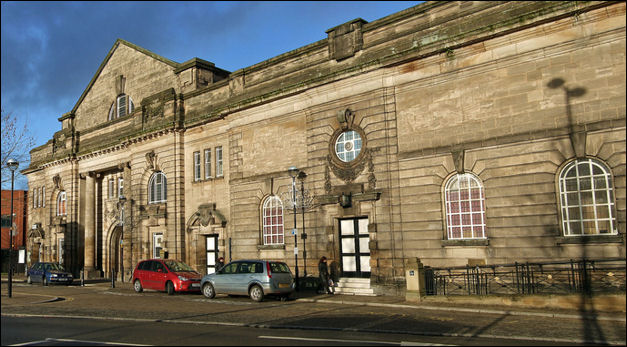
(62, 204)
(587, 198)
(273, 221)
(122, 106)
(157, 188)
(465, 207)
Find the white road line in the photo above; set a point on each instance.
(402, 343)
(77, 341)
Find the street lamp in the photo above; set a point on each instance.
(12, 164)
(293, 171)
(301, 176)
(122, 200)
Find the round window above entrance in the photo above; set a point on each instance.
(348, 146)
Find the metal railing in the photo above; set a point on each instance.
(559, 277)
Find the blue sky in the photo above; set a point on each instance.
(51, 50)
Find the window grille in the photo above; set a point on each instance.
(587, 199)
(122, 106)
(465, 207)
(273, 221)
(219, 172)
(157, 188)
(196, 166)
(207, 163)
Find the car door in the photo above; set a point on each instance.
(223, 279)
(160, 275)
(36, 273)
(245, 274)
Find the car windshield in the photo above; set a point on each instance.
(177, 266)
(54, 267)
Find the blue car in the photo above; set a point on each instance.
(48, 273)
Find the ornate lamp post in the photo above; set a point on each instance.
(12, 164)
(293, 171)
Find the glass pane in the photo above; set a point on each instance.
(363, 245)
(348, 264)
(589, 227)
(600, 183)
(600, 197)
(346, 227)
(211, 243)
(575, 228)
(363, 226)
(584, 169)
(605, 227)
(574, 213)
(364, 263)
(348, 245)
(585, 183)
(571, 185)
(603, 212)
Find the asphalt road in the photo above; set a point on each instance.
(102, 314)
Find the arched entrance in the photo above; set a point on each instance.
(116, 254)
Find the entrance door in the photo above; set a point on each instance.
(212, 253)
(115, 254)
(354, 249)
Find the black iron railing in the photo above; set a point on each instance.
(573, 276)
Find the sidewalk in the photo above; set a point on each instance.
(600, 307)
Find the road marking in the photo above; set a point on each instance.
(82, 342)
(402, 343)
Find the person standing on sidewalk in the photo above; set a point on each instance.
(323, 270)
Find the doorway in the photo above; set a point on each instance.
(116, 254)
(354, 248)
(212, 253)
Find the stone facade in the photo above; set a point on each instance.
(510, 93)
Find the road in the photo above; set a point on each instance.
(102, 314)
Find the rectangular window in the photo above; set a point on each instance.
(196, 166)
(207, 163)
(120, 186)
(6, 221)
(43, 202)
(157, 239)
(36, 197)
(111, 188)
(41, 197)
(33, 198)
(219, 172)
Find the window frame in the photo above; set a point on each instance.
(565, 196)
(207, 163)
(111, 187)
(120, 186)
(153, 185)
(356, 145)
(62, 204)
(461, 217)
(129, 107)
(275, 227)
(197, 166)
(219, 165)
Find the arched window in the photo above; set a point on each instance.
(273, 221)
(122, 106)
(465, 207)
(157, 188)
(62, 204)
(587, 199)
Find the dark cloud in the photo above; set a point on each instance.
(51, 50)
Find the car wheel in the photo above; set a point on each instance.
(29, 280)
(256, 293)
(208, 291)
(169, 287)
(137, 285)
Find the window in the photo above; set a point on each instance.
(37, 204)
(61, 204)
(39, 196)
(465, 207)
(207, 163)
(120, 186)
(273, 221)
(196, 166)
(219, 161)
(157, 188)
(43, 196)
(122, 106)
(157, 240)
(587, 199)
(111, 188)
(348, 146)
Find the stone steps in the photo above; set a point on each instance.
(354, 286)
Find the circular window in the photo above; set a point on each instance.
(348, 146)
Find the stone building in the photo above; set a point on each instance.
(454, 132)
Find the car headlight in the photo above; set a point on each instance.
(54, 275)
(183, 278)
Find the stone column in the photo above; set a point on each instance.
(90, 223)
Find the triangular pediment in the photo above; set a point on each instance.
(122, 60)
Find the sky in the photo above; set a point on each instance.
(51, 50)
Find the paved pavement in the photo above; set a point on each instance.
(471, 317)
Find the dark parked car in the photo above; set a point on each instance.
(48, 273)
(255, 278)
(165, 275)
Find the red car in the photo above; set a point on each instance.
(165, 275)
